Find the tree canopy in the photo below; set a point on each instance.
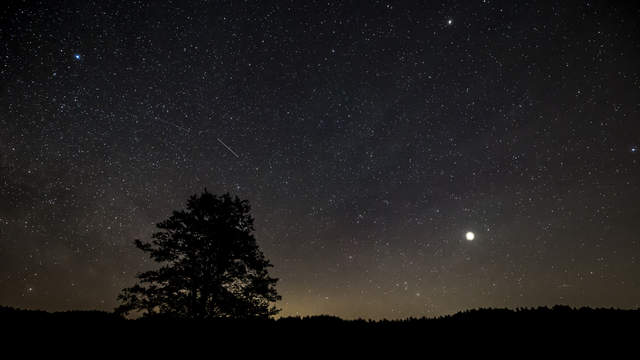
(210, 265)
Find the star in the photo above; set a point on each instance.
(77, 56)
(449, 22)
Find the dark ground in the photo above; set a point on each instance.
(543, 321)
(559, 332)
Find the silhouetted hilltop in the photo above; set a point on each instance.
(13, 314)
(556, 314)
(486, 328)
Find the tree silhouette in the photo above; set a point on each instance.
(211, 266)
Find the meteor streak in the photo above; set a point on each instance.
(228, 148)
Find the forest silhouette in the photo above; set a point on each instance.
(549, 323)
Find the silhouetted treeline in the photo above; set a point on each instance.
(527, 329)
(558, 315)
(12, 314)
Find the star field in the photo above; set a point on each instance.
(369, 139)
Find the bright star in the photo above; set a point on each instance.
(449, 21)
(634, 149)
(470, 235)
(77, 56)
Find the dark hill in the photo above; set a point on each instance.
(559, 315)
(530, 329)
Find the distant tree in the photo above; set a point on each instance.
(211, 266)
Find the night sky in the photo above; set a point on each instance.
(369, 138)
